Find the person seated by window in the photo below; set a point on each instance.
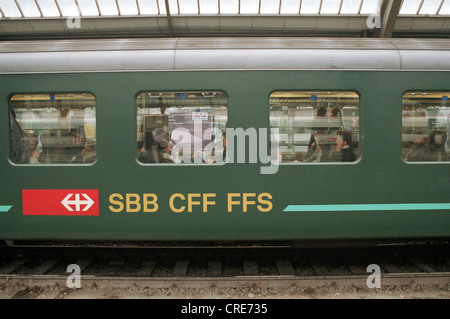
(420, 151)
(23, 150)
(343, 152)
(89, 153)
(438, 138)
(34, 157)
(314, 153)
(28, 154)
(73, 153)
(165, 152)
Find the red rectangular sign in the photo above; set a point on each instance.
(60, 202)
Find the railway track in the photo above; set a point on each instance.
(221, 268)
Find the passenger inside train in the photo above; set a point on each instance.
(52, 129)
(190, 115)
(425, 125)
(314, 125)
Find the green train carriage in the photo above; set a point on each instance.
(83, 159)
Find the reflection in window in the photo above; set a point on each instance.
(181, 127)
(316, 126)
(426, 124)
(52, 129)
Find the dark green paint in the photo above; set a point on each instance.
(378, 177)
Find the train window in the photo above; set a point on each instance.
(425, 126)
(52, 128)
(315, 126)
(181, 127)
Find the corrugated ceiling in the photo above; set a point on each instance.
(69, 19)
(93, 8)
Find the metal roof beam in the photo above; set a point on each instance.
(169, 18)
(20, 9)
(388, 15)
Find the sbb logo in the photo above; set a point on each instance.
(60, 202)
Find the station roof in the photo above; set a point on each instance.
(44, 19)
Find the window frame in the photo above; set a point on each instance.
(136, 156)
(358, 156)
(11, 95)
(402, 154)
